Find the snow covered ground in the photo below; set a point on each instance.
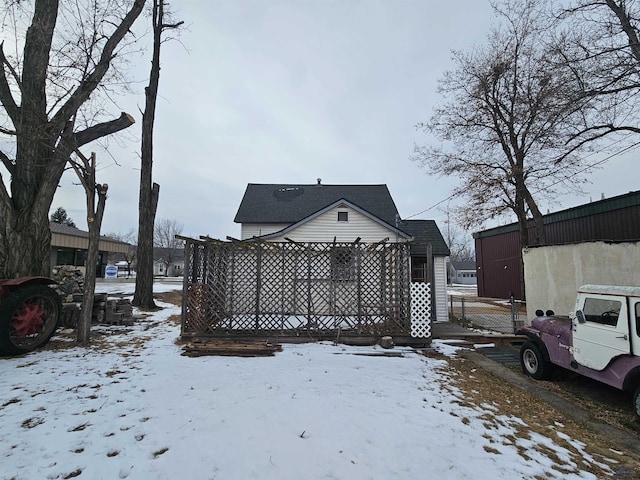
(130, 406)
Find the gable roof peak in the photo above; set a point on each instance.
(290, 203)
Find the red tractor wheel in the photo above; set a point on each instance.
(28, 319)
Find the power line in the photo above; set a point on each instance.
(431, 207)
(599, 162)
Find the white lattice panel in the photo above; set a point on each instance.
(421, 310)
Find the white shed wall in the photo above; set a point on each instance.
(553, 274)
(440, 288)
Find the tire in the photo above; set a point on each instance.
(636, 402)
(28, 319)
(533, 363)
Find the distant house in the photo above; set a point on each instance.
(344, 213)
(69, 247)
(168, 262)
(463, 273)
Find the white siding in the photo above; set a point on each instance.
(325, 227)
(250, 230)
(440, 288)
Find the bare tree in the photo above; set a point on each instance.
(505, 127)
(61, 60)
(149, 190)
(600, 43)
(85, 168)
(164, 238)
(459, 241)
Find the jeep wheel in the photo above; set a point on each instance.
(636, 402)
(533, 363)
(28, 319)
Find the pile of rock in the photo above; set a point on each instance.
(70, 281)
(70, 287)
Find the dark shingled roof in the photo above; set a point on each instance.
(424, 232)
(283, 203)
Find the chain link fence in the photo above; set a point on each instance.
(504, 316)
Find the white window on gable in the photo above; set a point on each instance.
(343, 216)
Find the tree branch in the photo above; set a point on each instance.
(6, 131)
(165, 26)
(91, 82)
(37, 47)
(103, 129)
(5, 199)
(627, 27)
(6, 98)
(8, 164)
(609, 128)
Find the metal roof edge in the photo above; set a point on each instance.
(600, 206)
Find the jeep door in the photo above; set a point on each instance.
(634, 314)
(605, 333)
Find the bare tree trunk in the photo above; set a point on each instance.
(24, 243)
(86, 310)
(87, 175)
(143, 296)
(149, 192)
(538, 220)
(523, 225)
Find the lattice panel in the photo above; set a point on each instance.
(421, 310)
(296, 288)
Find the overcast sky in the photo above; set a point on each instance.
(290, 91)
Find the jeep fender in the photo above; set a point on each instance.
(632, 380)
(537, 342)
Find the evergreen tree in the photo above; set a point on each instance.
(60, 216)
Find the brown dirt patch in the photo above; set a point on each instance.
(174, 297)
(481, 387)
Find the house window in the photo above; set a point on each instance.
(343, 264)
(65, 256)
(419, 270)
(343, 216)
